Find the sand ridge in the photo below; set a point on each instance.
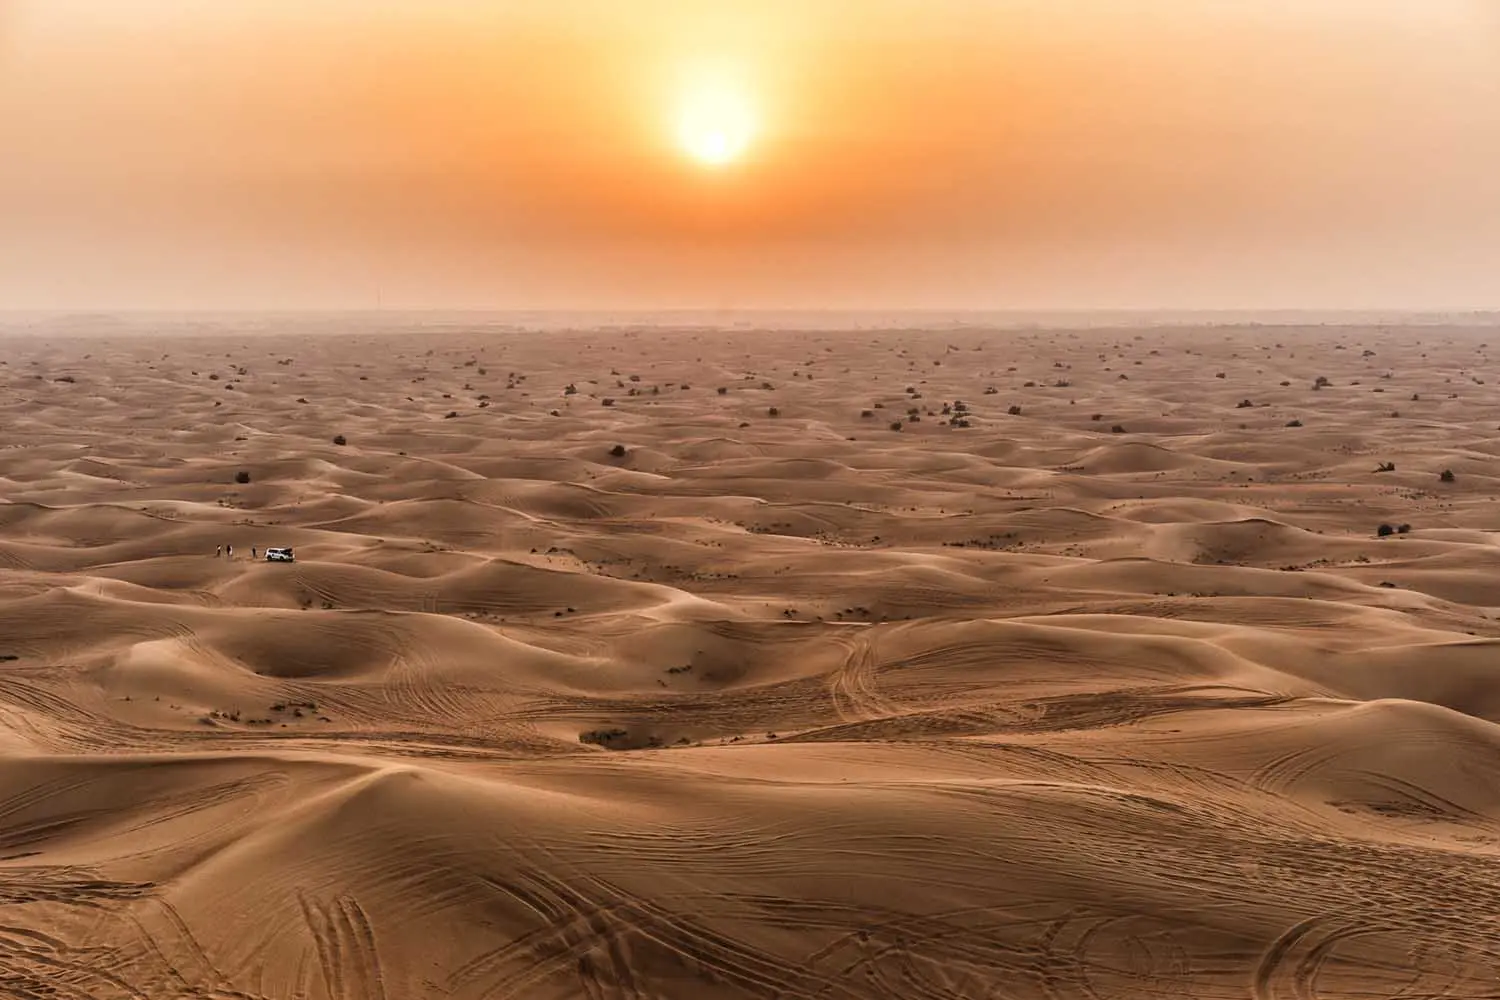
(692, 663)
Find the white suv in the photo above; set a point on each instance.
(280, 555)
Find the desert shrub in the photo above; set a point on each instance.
(1385, 531)
(1386, 467)
(618, 451)
(773, 411)
(607, 401)
(1403, 529)
(866, 413)
(1294, 423)
(1221, 375)
(1097, 417)
(450, 414)
(340, 440)
(1117, 429)
(991, 391)
(242, 477)
(570, 389)
(1243, 404)
(1446, 475)
(602, 737)
(895, 425)
(1014, 411)
(723, 391)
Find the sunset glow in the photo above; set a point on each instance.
(762, 153)
(716, 126)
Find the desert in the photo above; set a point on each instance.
(1108, 663)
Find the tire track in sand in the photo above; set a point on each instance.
(853, 689)
(345, 944)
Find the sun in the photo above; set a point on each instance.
(715, 126)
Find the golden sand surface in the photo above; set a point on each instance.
(1048, 664)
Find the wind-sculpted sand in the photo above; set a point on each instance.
(1055, 665)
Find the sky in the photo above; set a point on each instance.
(883, 154)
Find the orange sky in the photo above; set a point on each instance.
(981, 154)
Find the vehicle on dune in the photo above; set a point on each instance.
(280, 555)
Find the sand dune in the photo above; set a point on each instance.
(700, 680)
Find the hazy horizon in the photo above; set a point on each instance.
(1110, 156)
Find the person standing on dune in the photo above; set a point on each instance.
(218, 551)
(229, 551)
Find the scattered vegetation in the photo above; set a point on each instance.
(603, 737)
(1446, 476)
(340, 440)
(242, 477)
(618, 451)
